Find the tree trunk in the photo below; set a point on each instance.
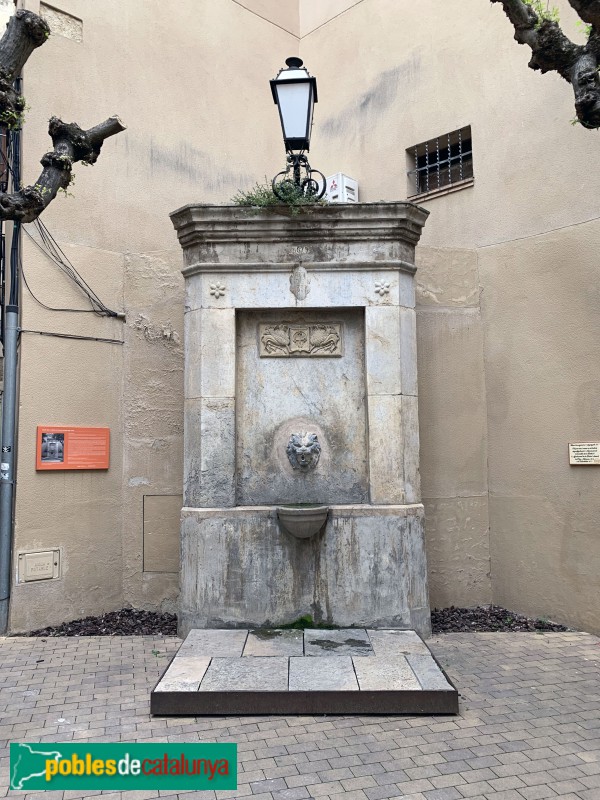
(26, 31)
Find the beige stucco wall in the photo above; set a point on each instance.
(541, 304)
(168, 72)
(507, 298)
(507, 312)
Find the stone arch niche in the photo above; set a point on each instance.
(301, 326)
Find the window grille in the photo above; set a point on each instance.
(442, 162)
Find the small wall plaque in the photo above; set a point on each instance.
(66, 447)
(285, 340)
(584, 453)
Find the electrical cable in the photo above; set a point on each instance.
(49, 247)
(73, 336)
(52, 250)
(51, 308)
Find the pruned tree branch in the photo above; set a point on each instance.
(26, 31)
(589, 11)
(71, 144)
(552, 50)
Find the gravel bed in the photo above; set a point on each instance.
(131, 622)
(126, 622)
(487, 619)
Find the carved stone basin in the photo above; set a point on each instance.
(302, 521)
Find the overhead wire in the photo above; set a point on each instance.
(50, 247)
(73, 336)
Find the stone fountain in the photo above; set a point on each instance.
(301, 483)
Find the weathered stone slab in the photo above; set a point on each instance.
(268, 674)
(385, 674)
(330, 674)
(393, 643)
(228, 554)
(410, 431)
(383, 355)
(274, 643)
(229, 643)
(428, 673)
(386, 458)
(408, 348)
(346, 641)
(217, 452)
(184, 674)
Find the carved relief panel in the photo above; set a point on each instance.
(285, 340)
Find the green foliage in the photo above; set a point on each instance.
(262, 196)
(585, 27)
(545, 12)
(12, 119)
(304, 622)
(65, 189)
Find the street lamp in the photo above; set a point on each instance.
(295, 94)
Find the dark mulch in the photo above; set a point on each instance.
(127, 622)
(131, 622)
(487, 619)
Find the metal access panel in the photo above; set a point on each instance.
(40, 566)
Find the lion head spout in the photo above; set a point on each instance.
(303, 451)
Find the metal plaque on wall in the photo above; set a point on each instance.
(584, 453)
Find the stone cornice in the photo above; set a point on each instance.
(311, 266)
(336, 223)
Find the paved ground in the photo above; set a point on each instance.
(529, 726)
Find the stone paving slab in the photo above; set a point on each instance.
(185, 674)
(214, 643)
(274, 643)
(345, 641)
(286, 672)
(252, 674)
(378, 674)
(392, 642)
(326, 674)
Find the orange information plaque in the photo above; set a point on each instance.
(62, 447)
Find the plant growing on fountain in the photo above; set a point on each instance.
(291, 201)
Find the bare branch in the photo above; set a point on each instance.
(553, 51)
(71, 144)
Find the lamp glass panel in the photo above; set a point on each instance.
(294, 100)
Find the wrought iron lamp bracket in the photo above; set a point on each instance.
(306, 184)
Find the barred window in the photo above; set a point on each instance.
(441, 163)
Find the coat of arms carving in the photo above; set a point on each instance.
(285, 340)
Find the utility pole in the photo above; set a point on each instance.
(10, 342)
(7, 472)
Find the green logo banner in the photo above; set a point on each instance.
(118, 767)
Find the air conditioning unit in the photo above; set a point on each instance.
(341, 189)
